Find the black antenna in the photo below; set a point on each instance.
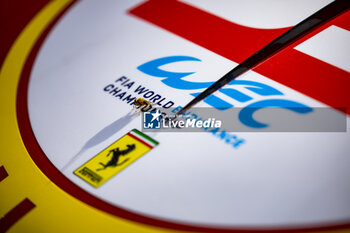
(302, 28)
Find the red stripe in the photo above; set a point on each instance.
(233, 41)
(343, 21)
(299, 71)
(311, 76)
(3, 173)
(140, 140)
(327, 83)
(15, 214)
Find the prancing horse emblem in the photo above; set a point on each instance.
(115, 157)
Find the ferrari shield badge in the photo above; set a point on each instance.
(115, 158)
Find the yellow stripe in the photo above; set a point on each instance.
(55, 211)
(13, 154)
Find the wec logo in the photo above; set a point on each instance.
(175, 80)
